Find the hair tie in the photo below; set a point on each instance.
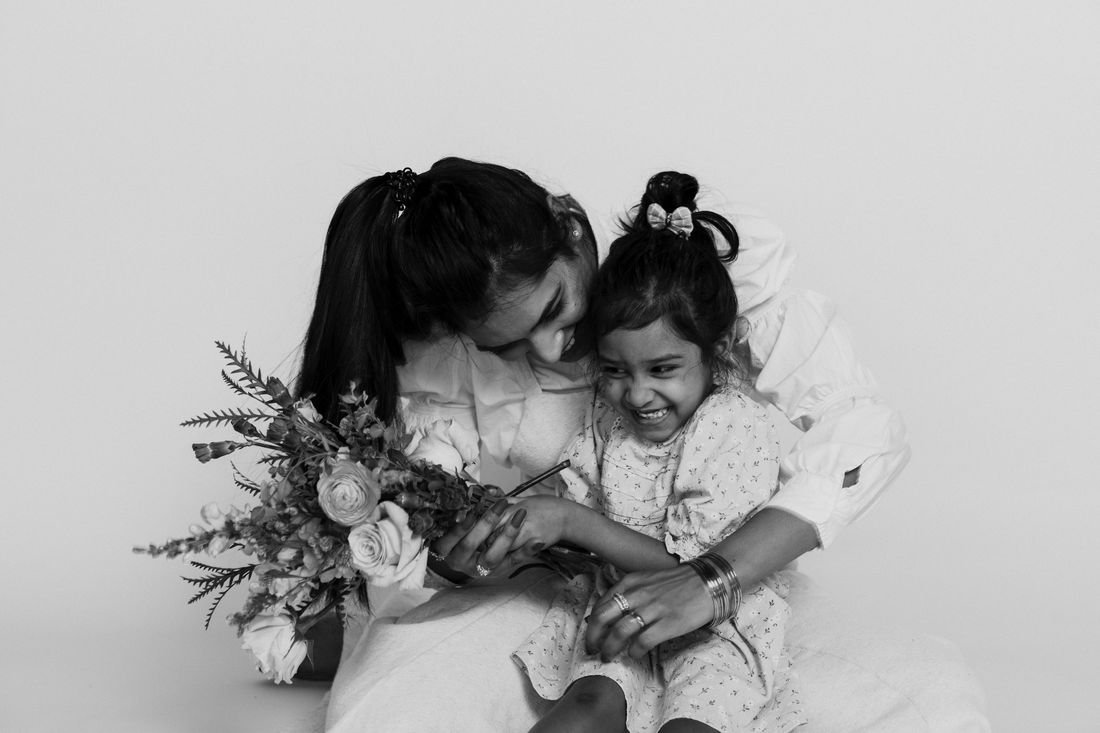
(403, 183)
(679, 221)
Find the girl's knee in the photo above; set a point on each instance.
(601, 695)
(686, 725)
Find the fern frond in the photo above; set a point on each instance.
(214, 605)
(233, 385)
(218, 577)
(252, 379)
(243, 482)
(218, 417)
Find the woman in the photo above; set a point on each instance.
(457, 297)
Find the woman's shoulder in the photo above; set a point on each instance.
(764, 258)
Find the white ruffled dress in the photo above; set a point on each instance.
(691, 491)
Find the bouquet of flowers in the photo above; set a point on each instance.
(341, 506)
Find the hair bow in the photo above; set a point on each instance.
(679, 221)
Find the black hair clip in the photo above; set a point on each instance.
(403, 183)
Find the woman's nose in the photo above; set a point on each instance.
(546, 346)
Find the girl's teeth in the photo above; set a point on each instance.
(652, 414)
(569, 345)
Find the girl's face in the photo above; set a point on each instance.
(545, 319)
(653, 378)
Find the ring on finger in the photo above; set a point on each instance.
(622, 603)
(482, 570)
(635, 615)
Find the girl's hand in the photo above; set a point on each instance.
(546, 523)
(464, 547)
(669, 603)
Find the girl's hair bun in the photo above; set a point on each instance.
(671, 190)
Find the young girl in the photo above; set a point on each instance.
(671, 460)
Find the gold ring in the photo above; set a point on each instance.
(621, 602)
(634, 615)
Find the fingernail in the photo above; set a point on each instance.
(500, 506)
(518, 517)
(537, 547)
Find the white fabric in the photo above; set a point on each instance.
(802, 361)
(444, 667)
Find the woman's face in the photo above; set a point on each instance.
(545, 319)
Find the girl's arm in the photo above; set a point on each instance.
(550, 519)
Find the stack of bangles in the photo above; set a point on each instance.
(722, 584)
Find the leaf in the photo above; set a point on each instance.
(223, 578)
(233, 385)
(243, 482)
(250, 380)
(217, 417)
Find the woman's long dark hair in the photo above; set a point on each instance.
(408, 257)
(651, 273)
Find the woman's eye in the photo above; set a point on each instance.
(610, 371)
(664, 370)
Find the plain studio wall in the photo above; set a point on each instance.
(167, 173)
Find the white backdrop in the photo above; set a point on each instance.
(167, 173)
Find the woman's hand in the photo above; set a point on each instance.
(674, 601)
(663, 604)
(464, 547)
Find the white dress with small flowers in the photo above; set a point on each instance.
(692, 491)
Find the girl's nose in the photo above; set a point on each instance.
(546, 346)
(638, 395)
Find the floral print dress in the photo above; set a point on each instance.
(692, 491)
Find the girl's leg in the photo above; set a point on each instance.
(590, 705)
(686, 725)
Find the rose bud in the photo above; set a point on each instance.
(409, 500)
(245, 428)
(421, 522)
(223, 448)
(278, 392)
(202, 451)
(277, 430)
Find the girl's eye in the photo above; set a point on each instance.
(610, 371)
(663, 370)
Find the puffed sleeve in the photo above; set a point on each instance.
(729, 468)
(438, 405)
(806, 366)
(581, 480)
(803, 362)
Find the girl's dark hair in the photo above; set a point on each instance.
(409, 256)
(652, 273)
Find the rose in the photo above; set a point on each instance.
(385, 550)
(306, 409)
(347, 493)
(451, 498)
(273, 641)
(448, 444)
